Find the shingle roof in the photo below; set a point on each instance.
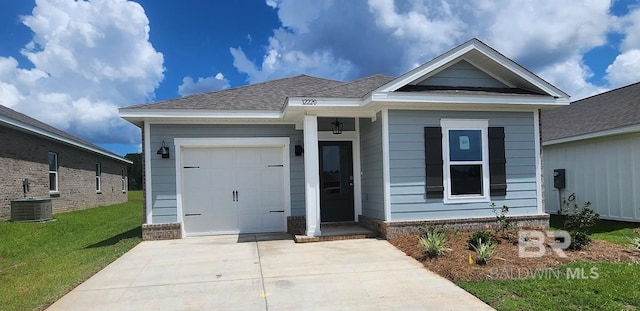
(609, 110)
(355, 89)
(263, 96)
(26, 120)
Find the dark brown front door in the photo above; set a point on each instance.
(336, 181)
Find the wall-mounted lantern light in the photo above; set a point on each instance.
(164, 151)
(298, 150)
(336, 127)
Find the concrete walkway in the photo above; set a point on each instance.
(266, 272)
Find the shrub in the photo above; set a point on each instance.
(484, 252)
(503, 223)
(482, 237)
(433, 241)
(635, 241)
(578, 223)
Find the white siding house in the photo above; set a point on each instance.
(597, 141)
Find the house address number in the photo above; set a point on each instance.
(309, 102)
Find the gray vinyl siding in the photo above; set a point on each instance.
(604, 171)
(407, 165)
(462, 73)
(371, 166)
(163, 171)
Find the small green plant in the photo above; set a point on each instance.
(482, 236)
(430, 228)
(504, 226)
(484, 252)
(503, 223)
(635, 241)
(578, 223)
(433, 241)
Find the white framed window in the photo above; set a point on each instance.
(98, 177)
(124, 180)
(465, 154)
(53, 172)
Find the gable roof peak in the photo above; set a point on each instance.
(485, 58)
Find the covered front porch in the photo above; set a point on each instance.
(333, 178)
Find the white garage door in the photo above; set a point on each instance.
(233, 190)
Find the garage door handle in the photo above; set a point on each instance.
(276, 211)
(275, 165)
(191, 167)
(192, 214)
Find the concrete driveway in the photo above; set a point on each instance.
(266, 272)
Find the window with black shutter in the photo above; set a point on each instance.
(465, 161)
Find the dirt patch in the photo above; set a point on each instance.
(506, 263)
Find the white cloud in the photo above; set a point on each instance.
(571, 76)
(280, 62)
(625, 69)
(88, 58)
(390, 37)
(202, 85)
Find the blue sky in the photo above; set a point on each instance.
(73, 64)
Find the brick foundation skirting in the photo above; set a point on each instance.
(167, 231)
(394, 229)
(296, 225)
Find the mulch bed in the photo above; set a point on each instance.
(506, 263)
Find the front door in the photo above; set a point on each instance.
(336, 181)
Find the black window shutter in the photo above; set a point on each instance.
(497, 162)
(433, 161)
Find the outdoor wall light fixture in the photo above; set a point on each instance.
(298, 150)
(336, 127)
(164, 151)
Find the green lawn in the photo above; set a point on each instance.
(618, 232)
(614, 288)
(40, 262)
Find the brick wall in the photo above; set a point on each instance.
(393, 229)
(26, 156)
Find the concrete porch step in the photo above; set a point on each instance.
(337, 231)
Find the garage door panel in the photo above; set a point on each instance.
(272, 201)
(271, 179)
(257, 176)
(248, 157)
(220, 158)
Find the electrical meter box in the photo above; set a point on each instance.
(559, 181)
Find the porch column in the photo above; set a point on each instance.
(311, 175)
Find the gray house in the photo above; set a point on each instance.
(38, 160)
(439, 143)
(596, 141)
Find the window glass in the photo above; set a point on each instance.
(331, 169)
(465, 145)
(466, 179)
(53, 162)
(98, 173)
(53, 171)
(53, 182)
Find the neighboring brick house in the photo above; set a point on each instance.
(74, 173)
